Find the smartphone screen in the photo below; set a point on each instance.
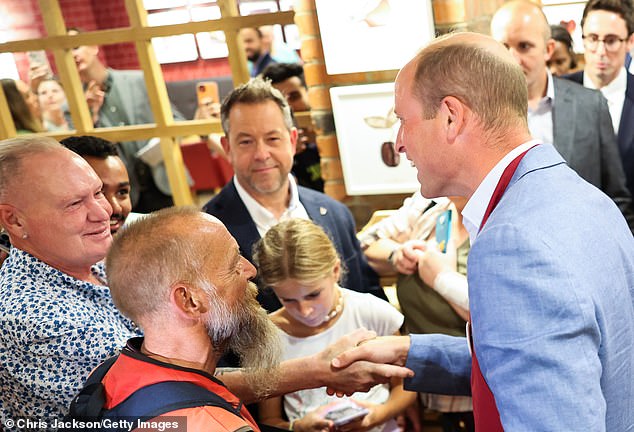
(346, 413)
(443, 230)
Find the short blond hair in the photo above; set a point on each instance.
(150, 255)
(295, 249)
(492, 87)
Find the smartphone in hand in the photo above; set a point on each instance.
(207, 92)
(345, 412)
(443, 230)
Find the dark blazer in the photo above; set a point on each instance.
(584, 136)
(625, 136)
(331, 215)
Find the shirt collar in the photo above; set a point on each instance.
(616, 87)
(473, 213)
(262, 217)
(550, 87)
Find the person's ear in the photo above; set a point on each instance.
(293, 136)
(190, 302)
(336, 271)
(550, 49)
(224, 141)
(630, 43)
(454, 112)
(12, 221)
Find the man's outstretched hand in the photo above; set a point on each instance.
(360, 360)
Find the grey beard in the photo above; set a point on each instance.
(246, 330)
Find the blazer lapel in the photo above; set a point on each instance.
(564, 113)
(626, 125)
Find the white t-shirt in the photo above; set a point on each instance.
(360, 310)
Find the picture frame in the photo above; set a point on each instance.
(373, 35)
(364, 121)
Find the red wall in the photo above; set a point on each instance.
(23, 20)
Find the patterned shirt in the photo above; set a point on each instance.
(54, 330)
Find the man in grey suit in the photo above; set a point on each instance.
(572, 118)
(551, 290)
(119, 98)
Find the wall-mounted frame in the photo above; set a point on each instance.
(558, 13)
(372, 35)
(364, 121)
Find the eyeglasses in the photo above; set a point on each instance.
(610, 42)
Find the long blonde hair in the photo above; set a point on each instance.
(295, 249)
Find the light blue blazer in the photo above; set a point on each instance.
(551, 287)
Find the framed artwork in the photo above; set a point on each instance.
(569, 14)
(366, 131)
(372, 35)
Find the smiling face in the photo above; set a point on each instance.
(116, 187)
(601, 65)
(419, 138)
(260, 147)
(295, 93)
(62, 211)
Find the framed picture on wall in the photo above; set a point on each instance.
(366, 131)
(371, 35)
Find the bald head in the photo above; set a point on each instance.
(13, 152)
(522, 28)
(521, 13)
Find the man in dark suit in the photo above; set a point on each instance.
(574, 119)
(260, 142)
(608, 33)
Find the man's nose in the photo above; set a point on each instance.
(261, 150)
(100, 209)
(116, 207)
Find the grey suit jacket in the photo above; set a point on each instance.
(583, 135)
(130, 85)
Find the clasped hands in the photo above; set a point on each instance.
(361, 360)
(424, 258)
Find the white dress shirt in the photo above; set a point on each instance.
(473, 212)
(614, 92)
(262, 217)
(540, 120)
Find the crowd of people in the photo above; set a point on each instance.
(514, 262)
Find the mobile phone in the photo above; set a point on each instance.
(207, 90)
(5, 242)
(345, 412)
(443, 230)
